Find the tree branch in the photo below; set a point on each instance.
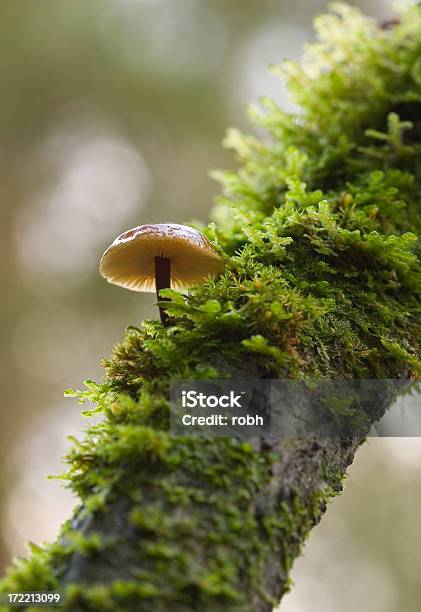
(322, 280)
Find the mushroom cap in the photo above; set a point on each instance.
(130, 260)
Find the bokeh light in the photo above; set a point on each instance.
(97, 182)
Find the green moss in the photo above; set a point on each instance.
(319, 232)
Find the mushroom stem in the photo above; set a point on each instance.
(162, 281)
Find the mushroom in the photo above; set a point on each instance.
(161, 256)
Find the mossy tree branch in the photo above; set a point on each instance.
(319, 230)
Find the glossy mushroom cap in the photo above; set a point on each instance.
(130, 261)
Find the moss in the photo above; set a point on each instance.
(319, 232)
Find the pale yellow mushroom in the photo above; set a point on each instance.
(154, 257)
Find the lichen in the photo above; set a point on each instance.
(319, 230)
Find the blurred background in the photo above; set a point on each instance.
(111, 115)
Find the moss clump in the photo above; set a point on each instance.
(319, 231)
